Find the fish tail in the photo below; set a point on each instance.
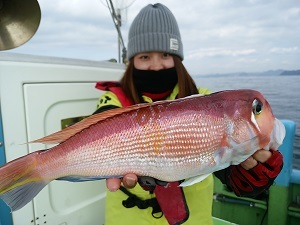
(20, 181)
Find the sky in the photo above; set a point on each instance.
(219, 36)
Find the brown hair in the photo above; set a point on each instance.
(186, 84)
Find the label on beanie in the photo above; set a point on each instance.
(174, 44)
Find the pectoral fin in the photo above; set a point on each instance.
(193, 180)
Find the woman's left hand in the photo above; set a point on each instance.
(259, 156)
(256, 174)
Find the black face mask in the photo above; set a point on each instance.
(152, 81)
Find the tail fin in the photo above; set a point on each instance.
(20, 182)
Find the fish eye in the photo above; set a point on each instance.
(257, 107)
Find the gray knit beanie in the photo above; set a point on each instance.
(154, 29)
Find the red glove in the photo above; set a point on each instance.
(253, 182)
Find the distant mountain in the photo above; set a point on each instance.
(290, 72)
(264, 73)
(271, 72)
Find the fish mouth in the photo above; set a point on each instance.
(277, 135)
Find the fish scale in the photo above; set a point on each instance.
(164, 155)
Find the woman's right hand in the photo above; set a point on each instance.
(129, 181)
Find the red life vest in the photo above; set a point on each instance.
(115, 88)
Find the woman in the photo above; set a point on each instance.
(155, 72)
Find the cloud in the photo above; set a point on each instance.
(294, 49)
(219, 52)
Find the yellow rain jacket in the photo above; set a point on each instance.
(198, 196)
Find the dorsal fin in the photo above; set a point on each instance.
(68, 132)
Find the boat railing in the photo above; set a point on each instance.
(284, 199)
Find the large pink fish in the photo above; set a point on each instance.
(168, 140)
